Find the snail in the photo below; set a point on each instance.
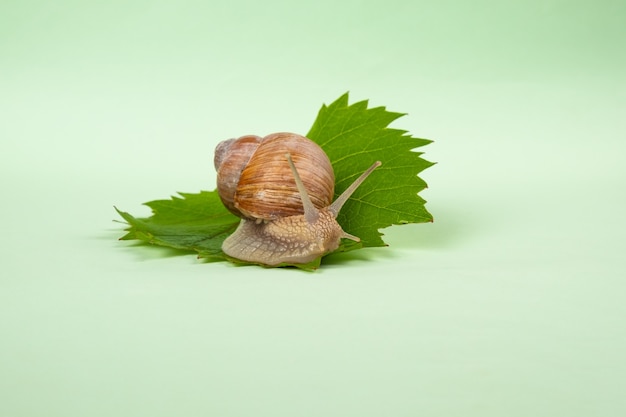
(281, 186)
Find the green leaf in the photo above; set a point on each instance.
(195, 222)
(354, 136)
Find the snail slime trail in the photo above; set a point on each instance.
(281, 186)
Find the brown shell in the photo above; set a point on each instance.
(231, 157)
(255, 181)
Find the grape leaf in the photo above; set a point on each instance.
(353, 136)
(197, 222)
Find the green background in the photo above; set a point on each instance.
(512, 303)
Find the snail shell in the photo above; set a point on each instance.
(254, 180)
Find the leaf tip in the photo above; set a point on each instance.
(342, 100)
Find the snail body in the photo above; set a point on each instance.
(290, 240)
(282, 187)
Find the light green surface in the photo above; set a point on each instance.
(511, 304)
